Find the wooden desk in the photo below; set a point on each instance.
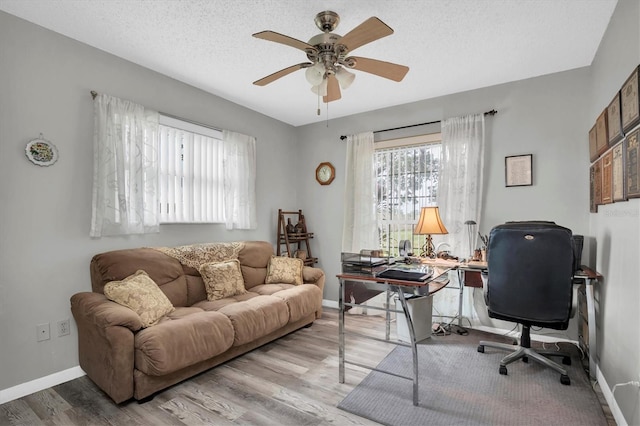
(434, 284)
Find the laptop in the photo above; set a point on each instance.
(399, 274)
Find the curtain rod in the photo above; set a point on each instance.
(208, 126)
(492, 112)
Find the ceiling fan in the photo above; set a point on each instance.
(328, 55)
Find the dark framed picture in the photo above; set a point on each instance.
(631, 165)
(593, 150)
(597, 182)
(614, 120)
(630, 102)
(518, 170)
(593, 206)
(617, 173)
(607, 189)
(602, 133)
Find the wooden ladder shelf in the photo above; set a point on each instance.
(293, 237)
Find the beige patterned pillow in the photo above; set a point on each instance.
(285, 270)
(141, 294)
(222, 279)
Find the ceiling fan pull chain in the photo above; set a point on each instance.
(318, 103)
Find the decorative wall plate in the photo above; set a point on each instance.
(41, 152)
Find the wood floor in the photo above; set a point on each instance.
(293, 381)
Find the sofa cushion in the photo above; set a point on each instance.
(141, 294)
(284, 270)
(256, 317)
(301, 300)
(222, 279)
(181, 342)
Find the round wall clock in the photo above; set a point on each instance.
(41, 152)
(325, 173)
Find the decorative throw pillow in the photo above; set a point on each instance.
(141, 294)
(222, 279)
(285, 270)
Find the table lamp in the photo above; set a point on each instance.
(429, 224)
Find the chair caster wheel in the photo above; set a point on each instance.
(565, 380)
(503, 370)
(566, 360)
(525, 359)
(481, 348)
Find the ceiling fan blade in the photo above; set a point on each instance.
(388, 70)
(370, 30)
(333, 90)
(278, 74)
(283, 39)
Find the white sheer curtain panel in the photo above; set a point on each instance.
(460, 193)
(239, 167)
(125, 168)
(360, 225)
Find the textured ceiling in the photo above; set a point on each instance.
(449, 45)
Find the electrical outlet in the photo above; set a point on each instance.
(43, 332)
(63, 328)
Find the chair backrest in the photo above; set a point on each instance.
(530, 273)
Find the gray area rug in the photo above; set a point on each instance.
(460, 386)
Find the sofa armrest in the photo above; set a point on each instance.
(311, 275)
(106, 334)
(103, 312)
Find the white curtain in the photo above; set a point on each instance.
(125, 168)
(239, 167)
(460, 193)
(360, 226)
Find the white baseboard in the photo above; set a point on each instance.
(330, 304)
(42, 383)
(610, 398)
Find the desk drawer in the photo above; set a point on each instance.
(472, 279)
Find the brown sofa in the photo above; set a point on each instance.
(128, 361)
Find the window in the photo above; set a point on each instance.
(191, 184)
(406, 177)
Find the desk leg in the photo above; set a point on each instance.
(341, 332)
(460, 296)
(414, 348)
(387, 316)
(591, 315)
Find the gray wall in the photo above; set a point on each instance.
(45, 80)
(544, 116)
(616, 227)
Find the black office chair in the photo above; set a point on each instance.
(530, 281)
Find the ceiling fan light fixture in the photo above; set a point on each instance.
(344, 77)
(320, 89)
(315, 74)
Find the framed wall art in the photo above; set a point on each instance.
(632, 166)
(597, 182)
(607, 190)
(517, 170)
(630, 102)
(614, 120)
(593, 150)
(617, 173)
(602, 134)
(593, 206)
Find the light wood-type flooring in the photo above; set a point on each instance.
(292, 381)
